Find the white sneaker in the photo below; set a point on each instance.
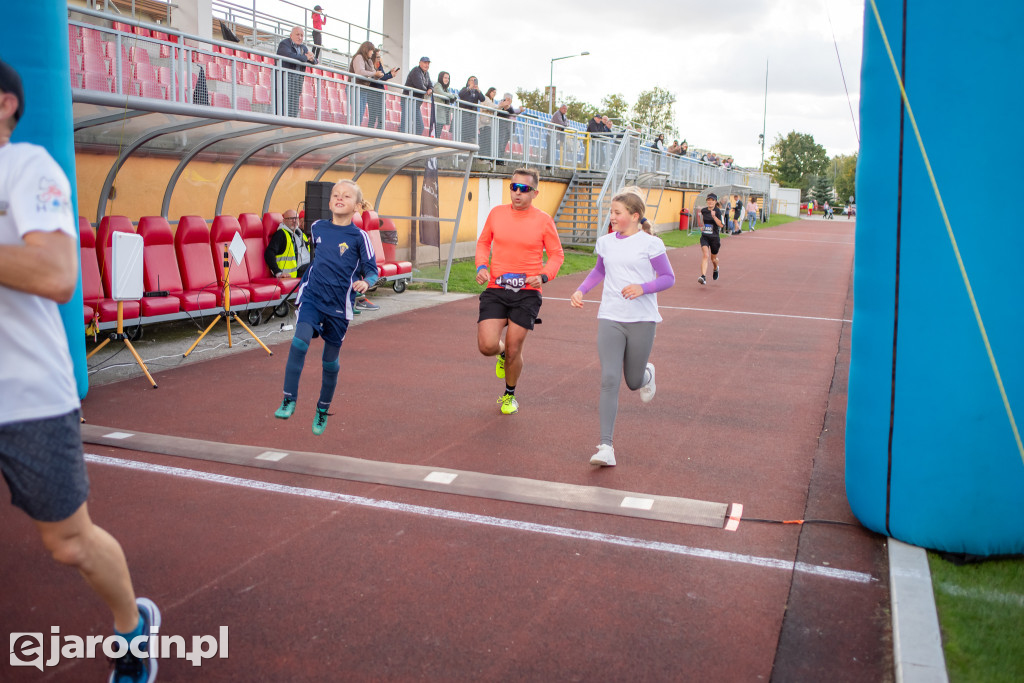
(605, 456)
(647, 391)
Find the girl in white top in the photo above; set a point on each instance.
(634, 267)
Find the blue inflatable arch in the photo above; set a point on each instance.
(932, 454)
(44, 66)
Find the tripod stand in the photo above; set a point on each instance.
(120, 335)
(226, 313)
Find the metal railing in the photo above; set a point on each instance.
(268, 29)
(188, 69)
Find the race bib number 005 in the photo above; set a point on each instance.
(512, 281)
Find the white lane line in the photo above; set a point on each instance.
(579, 534)
(718, 310)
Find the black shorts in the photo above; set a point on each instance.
(44, 467)
(714, 242)
(520, 307)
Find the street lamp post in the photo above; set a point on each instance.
(551, 83)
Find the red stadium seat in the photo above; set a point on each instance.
(105, 255)
(160, 268)
(219, 99)
(90, 271)
(222, 232)
(198, 270)
(386, 267)
(92, 282)
(255, 246)
(389, 249)
(271, 220)
(138, 55)
(261, 95)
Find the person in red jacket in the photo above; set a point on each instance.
(319, 19)
(510, 259)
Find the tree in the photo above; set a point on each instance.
(795, 159)
(532, 99)
(844, 169)
(575, 109)
(653, 110)
(615, 107)
(822, 191)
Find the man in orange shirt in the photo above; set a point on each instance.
(514, 240)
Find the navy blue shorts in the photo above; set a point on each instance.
(43, 465)
(520, 307)
(331, 327)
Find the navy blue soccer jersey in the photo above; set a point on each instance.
(342, 255)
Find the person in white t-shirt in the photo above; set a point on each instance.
(634, 267)
(40, 440)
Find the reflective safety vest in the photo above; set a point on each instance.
(288, 261)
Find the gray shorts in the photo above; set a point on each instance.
(43, 465)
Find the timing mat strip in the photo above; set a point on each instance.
(443, 480)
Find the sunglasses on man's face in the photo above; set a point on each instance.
(520, 187)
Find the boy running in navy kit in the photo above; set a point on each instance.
(343, 262)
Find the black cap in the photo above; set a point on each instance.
(712, 195)
(10, 82)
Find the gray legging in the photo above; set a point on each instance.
(623, 348)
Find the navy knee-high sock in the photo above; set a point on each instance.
(330, 379)
(296, 359)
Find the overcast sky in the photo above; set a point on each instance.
(710, 54)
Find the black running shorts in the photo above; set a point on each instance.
(714, 242)
(44, 467)
(520, 307)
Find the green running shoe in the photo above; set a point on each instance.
(499, 369)
(509, 404)
(286, 409)
(320, 422)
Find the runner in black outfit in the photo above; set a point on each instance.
(710, 242)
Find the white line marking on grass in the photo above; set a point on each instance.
(438, 513)
(1009, 599)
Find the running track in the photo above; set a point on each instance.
(322, 578)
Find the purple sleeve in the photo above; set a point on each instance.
(595, 276)
(665, 277)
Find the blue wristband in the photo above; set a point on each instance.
(479, 268)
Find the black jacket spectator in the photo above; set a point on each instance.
(419, 79)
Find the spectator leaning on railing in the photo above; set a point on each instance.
(418, 78)
(443, 97)
(293, 49)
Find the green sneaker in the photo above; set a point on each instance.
(320, 422)
(286, 409)
(499, 369)
(509, 404)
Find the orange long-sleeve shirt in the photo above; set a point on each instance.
(513, 242)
